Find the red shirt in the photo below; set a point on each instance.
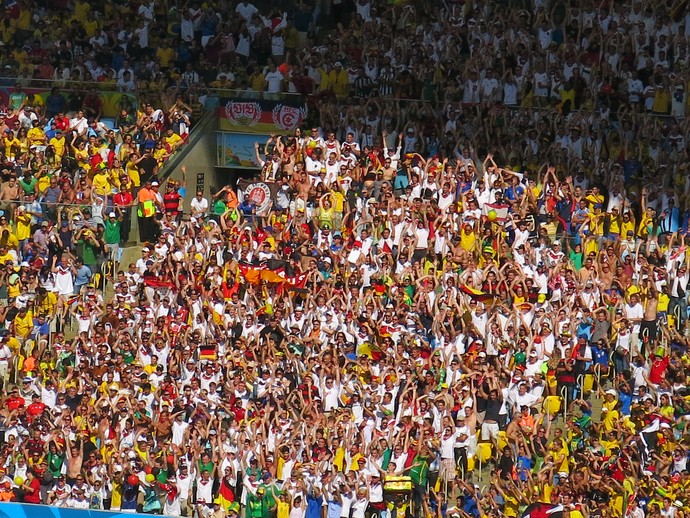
(13, 403)
(658, 370)
(61, 123)
(123, 199)
(35, 497)
(35, 409)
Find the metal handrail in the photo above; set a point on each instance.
(247, 94)
(597, 374)
(564, 397)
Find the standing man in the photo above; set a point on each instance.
(123, 202)
(147, 201)
(113, 227)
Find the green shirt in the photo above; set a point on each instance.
(28, 187)
(419, 470)
(219, 207)
(16, 100)
(88, 252)
(257, 507)
(112, 232)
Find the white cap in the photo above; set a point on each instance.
(112, 215)
(612, 392)
(153, 184)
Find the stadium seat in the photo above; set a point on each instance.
(587, 384)
(502, 441)
(484, 453)
(470, 464)
(552, 405)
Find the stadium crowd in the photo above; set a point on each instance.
(468, 275)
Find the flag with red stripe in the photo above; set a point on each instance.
(476, 294)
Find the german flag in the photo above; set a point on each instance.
(226, 495)
(208, 351)
(476, 294)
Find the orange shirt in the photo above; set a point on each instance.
(146, 195)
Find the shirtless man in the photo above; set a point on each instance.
(67, 194)
(388, 171)
(648, 327)
(75, 459)
(301, 183)
(9, 194)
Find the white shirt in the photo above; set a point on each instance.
(274, 80)
(199, 205)
(79, 125)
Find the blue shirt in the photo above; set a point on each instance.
(82, 276)
(625, 401)
(334, 508)
(469, 505)
(313, 506)
(600, 356)
(40, 329)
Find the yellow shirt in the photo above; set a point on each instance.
(81, 11)
(355, 463)
(114, 176)
(626, 226)
(100, 183)
(36, 136)
(594, 199)
(662, 100)
(14, 289)
(339, 459)
(116, 501)
(159, 154)
(11, 146)
(165, 56)
(23, 326)
(23, 222)
(511, 505)
(58, 145)
(664, 301)
(615, 225)
(133, 174)
(24, 20)
(283, 509)
(338, 201)
(596, 224)
(43, 183)
(48, 303)
(173, 141)
(257, 81)
(12, 241)
(565, 464)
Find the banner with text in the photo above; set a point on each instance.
(261, 115)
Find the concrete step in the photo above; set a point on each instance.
(596, 405)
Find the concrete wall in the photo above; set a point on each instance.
(200, 158)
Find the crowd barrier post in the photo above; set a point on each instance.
(564, 397)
